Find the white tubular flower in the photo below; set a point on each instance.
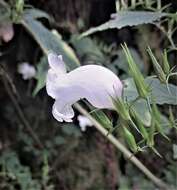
(27, 71)
(84, 122)
(95, 83)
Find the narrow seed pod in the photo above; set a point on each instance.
(130, 139)
(160, 130)
(150, 140)
(121, 108)
(141, 86)
(102, 118)
(142, 130)
(157, 119)
(156, 113)
(159, 71)
(166, 65)
(172, 123)
(139, 124)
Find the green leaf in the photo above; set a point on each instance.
(59, 140)
(4, 11)
(35, 14)
(127, 18)
(71, 130)
(160, 95)
(67, 52)
(49, 41)
(142, 111)
(42, 68)
(121, 61)
(159, 91)
(86, 47)
(18, 173)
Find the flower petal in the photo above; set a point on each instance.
(55, 82)
(98, 82)
(56, 63)
(62, 112)
(84, 122)
(6, 31)
(28, 71)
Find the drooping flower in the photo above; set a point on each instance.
(84, 122)
(27, 71)
(6, 31)
(97, 84)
